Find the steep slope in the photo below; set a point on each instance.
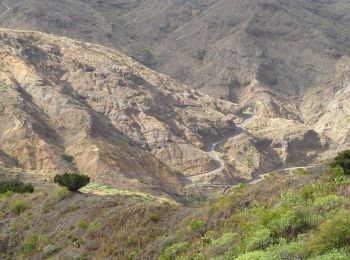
(259, 53)
(275, 59)
(240, 49)
(283, 217)
(73, 18)
(327, 108)
(71, 106)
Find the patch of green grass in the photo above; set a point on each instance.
(29, 246)
(73, 207)
(63, 193)
(93, 228)
(134, 254)
(83, 223)
(153, 217)
(19, 206)
(302, 172)
(195, 224)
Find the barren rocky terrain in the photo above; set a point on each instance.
(71, 106)
(275, 59)
(229, 49)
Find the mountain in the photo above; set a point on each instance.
(226, 48)
(230, 166)
(72, 106)
(269, 56)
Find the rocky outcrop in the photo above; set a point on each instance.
(261, 148)
(327, 109)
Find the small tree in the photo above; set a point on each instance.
(73, 181)
(343, 160)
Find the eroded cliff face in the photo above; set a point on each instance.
(327, 109)
(270, 144)
(70, 106)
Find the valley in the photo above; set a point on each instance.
(174, 129)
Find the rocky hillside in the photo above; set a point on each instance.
(255, 52)
(275, 58)
(70, 106)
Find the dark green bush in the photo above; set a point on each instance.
(343, 160)
(15, 186)
(73, 181)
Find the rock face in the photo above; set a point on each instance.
(70, 106)
(327, 108)
(260, 148)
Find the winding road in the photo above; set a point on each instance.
(211, 152)
(221, 164)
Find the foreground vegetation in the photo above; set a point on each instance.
(305, 216)
(15, 186)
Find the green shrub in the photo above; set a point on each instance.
(343, 160)
(73, 181)
(224, 243)
(29, 245)
(337, 174)
(209, 237)
(49, 249)
(333, 233)
(168, 241)
(7, 194)
(196, 224)
(200, 256)
(63, 193)
(292, 250)
(256, 255)
(15, 186)
(285, 221)
(82, 223)
(173, 251)
(328, 203)
(259, 240)
(334, 255)
(154, 217)
(19, 206)
(134, 254)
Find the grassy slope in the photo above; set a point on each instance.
(298, 217)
